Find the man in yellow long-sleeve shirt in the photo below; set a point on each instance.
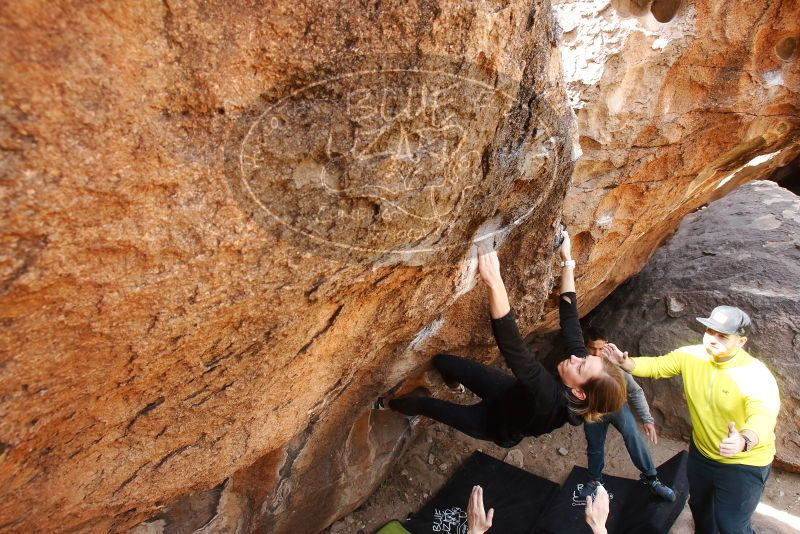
(733, 403)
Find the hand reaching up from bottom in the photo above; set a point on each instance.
(478, 520)
(489, 267)
(597, 510)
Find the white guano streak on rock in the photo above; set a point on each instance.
(467, 277)
(489, 236)
(423, 335)
(765, 292)
(605, 221)
(773, 78)
(758, 160)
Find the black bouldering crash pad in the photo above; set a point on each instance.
(633, 508)
(518, 498)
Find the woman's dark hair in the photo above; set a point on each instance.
(605, 393)
(593, 333)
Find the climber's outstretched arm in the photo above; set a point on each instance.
(489, 267)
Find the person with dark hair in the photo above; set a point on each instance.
(532, 401)
(596, 339)
(625, 424)
(733, 403)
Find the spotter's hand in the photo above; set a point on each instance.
(478, 520)
(616, 356)
(733, 444)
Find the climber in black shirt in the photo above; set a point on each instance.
(532, 401)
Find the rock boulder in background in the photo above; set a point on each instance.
(742, 250)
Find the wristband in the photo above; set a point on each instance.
(568, 263)
(748, 444)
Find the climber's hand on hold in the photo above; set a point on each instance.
(489, 267)
(565, 250)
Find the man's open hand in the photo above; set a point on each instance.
(614, 355)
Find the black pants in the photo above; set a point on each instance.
(723, 497)
(486, 382)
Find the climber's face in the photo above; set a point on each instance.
(575, 372)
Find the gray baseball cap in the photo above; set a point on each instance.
(727, 320)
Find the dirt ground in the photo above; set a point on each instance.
(439, 450)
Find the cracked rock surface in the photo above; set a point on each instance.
(227, 228)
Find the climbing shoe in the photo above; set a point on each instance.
(658, 488)
(382, 403)
(456, 386)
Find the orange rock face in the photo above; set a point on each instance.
(670, 116)
(226, 229)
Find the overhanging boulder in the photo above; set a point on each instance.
(177, 312)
